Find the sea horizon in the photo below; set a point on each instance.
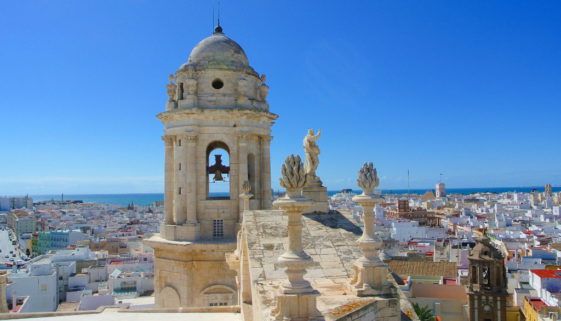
(124, 199)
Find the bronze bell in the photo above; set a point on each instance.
(218, 176)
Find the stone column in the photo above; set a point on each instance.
(180, 180)
(242, 166)
(191, 180)
(295, 259)
(370, 273)
(169, 179)
(266, 173)
(297, 300)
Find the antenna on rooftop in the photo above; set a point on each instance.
(440, 178)
(408, 187)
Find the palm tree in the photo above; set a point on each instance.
(423, 312)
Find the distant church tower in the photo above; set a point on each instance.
(217, 132)
(487, 283)
(440, 190)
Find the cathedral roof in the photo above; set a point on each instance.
(217, 52)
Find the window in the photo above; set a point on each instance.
(218, 228)
(217, 84)
(179, 142)
(180, 91)
(218, 304)
(179, 191)
(179, 166)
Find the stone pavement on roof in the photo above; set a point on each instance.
(330, 239)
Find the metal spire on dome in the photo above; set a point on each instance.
(218, 28)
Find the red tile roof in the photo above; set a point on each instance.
(548, 274)
(536, 303)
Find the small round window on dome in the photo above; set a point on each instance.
(217, 84)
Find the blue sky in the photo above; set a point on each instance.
(469, 89)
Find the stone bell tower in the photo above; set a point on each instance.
(216, 102)
(487, 283)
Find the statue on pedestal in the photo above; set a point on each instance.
(314, 188)
(312, 151)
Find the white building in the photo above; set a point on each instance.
(39, 284)
(403, 231)
(9, 203)
(130, 284)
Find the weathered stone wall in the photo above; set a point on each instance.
(382, 310)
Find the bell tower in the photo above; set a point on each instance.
(487, 283)
(217, 133)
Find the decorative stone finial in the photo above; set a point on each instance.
(246, 187)
(368, 178)
(370, 273)
(293, 175)
(218, 29)
(245, 196)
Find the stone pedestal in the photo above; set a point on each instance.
(184, 232)
(317, 193)
(371, 279)
(295, 260)
(187, 232)
(186, 270)
(296, 307)
(297, 298)
(370, 273)
(167, 231)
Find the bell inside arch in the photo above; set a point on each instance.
(218, 176)
(218, 169)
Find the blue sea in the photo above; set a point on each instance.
(150, 198)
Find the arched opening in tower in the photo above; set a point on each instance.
(218, 171)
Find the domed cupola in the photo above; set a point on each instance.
(218, 52)
(217, 75)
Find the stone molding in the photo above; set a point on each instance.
(169, 139)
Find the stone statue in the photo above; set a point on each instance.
(263, 89)
(246, 187)
(293, 175)
(312, 152)
(172, 88)
(368, 178)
